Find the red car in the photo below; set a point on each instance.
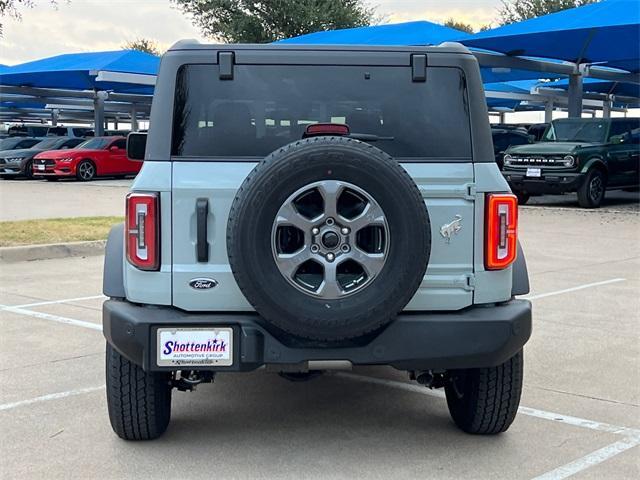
(97, 157)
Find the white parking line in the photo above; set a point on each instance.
(52, 318)
(51, 396)
(531, 412)
(573, 289)
(632, 436)
(53, 302)
(590, 460)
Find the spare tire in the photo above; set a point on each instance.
(328, 238)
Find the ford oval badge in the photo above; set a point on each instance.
(202, 283)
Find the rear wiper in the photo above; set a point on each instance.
(368, 137)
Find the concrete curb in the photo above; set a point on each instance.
(26, 253)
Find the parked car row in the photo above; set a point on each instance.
(59, 157)
(585, 156)
(41, 130)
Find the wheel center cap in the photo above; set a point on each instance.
(330, 240)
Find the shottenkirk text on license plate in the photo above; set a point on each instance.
(534, 172)
(195, 347)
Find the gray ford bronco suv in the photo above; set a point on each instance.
(312, 208)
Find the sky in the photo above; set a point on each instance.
(95, 25)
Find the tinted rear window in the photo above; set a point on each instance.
(266, 107)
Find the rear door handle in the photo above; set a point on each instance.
(202, 245)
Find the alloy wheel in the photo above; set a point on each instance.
(330, 239)
(86, 171)
(596, 188)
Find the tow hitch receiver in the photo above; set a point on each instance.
(188, 380)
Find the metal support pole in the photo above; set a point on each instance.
(502, 117)
(606, 108)
(98, 113)
(134, 119)
(548, 111)
(575, 95)
(115, 123)
(54, 117)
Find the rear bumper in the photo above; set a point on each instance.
(550, 182)
(479, 336)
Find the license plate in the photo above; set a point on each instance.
(195, 347)
(534, 172)
(40, 167)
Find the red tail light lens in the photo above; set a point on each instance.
(501, 231)
(143, 230)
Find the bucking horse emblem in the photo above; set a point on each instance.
(450, 229)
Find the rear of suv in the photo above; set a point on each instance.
(314, 208)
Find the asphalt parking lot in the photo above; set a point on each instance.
(579, 412)
(70, 198)
(64, 198)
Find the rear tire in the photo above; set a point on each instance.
(591, 192)
(139, 402)
(485, 400)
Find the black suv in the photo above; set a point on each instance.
(587, 156)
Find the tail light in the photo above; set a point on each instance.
(501, 231)
(143, 230)
(316, 129)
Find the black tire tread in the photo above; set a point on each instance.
(490, 399)
(139, 403)
(403, 289)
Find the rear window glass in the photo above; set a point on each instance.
(266, 107)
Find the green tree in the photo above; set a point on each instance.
(247, 21)
(463, 27)
(143, 45)
(517, 10)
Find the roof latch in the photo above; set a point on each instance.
(419, 67)
(225, 65)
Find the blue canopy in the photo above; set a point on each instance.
(605, 33)
(408, 33)
(593, 85)
(520, 86)
(495, 75)
(80, 71)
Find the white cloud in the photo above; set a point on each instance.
(90, 25)
(95, 25)
(475, 12)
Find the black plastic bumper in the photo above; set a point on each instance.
(474, 337)
(549, 183)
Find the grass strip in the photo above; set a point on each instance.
(55, 230)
